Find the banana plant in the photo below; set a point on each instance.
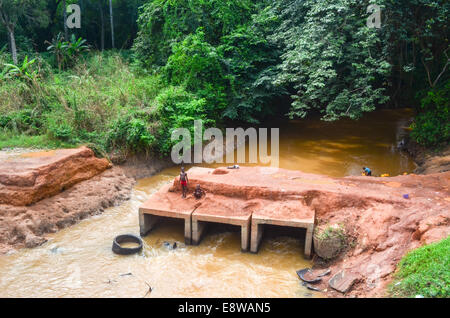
(66, 52)
(76, 46)
(58, 47)
(22, 72)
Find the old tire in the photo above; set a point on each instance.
(126, 238)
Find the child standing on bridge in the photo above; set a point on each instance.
(183, 182)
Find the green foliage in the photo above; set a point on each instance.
(332, 60)
(75, 47)
(424, 271)
(196, 65)
(251, 60)
(66, 53)
(23, 72)
(101, 102)
(331, 231)
(216, 60)
(59, 127)
(10, 140)
(432, 123)
(130, 133)
(175, 108)
(164, 23)
(22, 120)
(79, 105)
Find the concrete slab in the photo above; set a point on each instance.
(343, 281)
(291, 213)
(167, 204)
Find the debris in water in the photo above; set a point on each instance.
(56, 250)
(327, 272)
(343, 281)
(127, 274)
(150, 289)
(406, 196)
(170, 246)
(311, 287)
(110, 281)
(301, 274)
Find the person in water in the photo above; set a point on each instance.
(198, 192)
(183, 181)
(367, 171)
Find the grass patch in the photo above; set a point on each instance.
(424, 271)
(11, 140)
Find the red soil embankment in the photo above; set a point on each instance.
(383, 232)
(42, 192)
(31, 177)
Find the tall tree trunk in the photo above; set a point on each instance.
(81, 31)
(66, 32)
(102, 33)
(6, 21)
(9, 42)
(112, 23)
(12, 41)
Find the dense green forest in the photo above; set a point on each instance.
(137, 69)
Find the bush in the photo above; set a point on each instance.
(25, 120)
(60, 128)
(424, 271)
(176, 108)
(130, 133)
(432, 123)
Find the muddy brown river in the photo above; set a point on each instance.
(78, 262)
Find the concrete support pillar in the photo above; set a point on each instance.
(308, 240)
(187, 231)
(256, 236)
(198, 228)
(146, 223)
(245, 237)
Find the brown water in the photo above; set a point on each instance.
(78, 262)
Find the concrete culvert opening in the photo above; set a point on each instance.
(269, 232)
(203, 229)
(162, 224)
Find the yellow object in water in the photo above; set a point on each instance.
(385, 175)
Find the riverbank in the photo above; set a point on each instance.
(47, 191)
(381, 233)
(428, 160)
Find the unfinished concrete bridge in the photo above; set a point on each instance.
(249, 197)
(254, 197)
